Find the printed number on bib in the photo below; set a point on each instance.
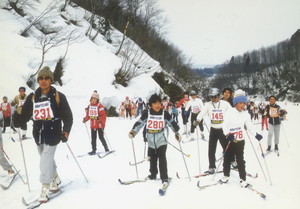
(93, 111)
(42, 111)
(195, 109)
(217, 117)
(238, 135)
(155, 125)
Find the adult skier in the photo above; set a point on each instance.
(156, 120)
(196, 106)
(140, 106)
(97, 116)
(227, 95)
(234, 124)
(5, 108)
(272, 111)
(19, 101)
(48, 108)
(216, 110)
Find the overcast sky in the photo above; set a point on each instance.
(211, 31)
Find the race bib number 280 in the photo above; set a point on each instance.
(42, 111)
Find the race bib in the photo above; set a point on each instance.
(21, 102)
(93, 112)
(217, 117)
(4, 107)
(42, 111)
(273, 112)
(237, 132)
(155, 123)
(195, 109)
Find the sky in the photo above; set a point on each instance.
(211, 31)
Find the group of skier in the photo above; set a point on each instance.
(52, 122)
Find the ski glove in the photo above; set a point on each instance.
(131, 134)
(64, 137)
(258, 137)
(178, 137)
(230, 137)
(196, 122)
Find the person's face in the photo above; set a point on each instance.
(44, 82)
(272, 100)
(93, 100)
(215, 99)
(5, 100)
(226, 94)
(186, 96)
(21, 92)
(156, 106)
(194, 96)
(240, 106)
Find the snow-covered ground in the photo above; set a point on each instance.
(104, 191)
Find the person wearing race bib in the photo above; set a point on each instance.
(97, 116)
(19, 102)
(195, 106)
(127, 104)
(215, 109)
(6, 110)
(234, 124)
(185, 116)
(272, 111)
(52, 123)
(156, 120)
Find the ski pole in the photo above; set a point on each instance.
(285, 135)
(187, 155)
(145, 145)
(256, 155)
(198, 148)
(107, 140)
(87, 130)
(206, 125)
(10, 137)
(265, 162)
(221, 159)
(187, 170)
(12, 164)
(24, 161)
(77, 162)
(133, 150)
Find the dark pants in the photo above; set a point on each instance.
(193, 118)
(17, 122)
(101, 137)
(128, 112)
(7, 123)
(185, 118)
(158, 154)
(235, 149)
(214, 136)
(175, 117)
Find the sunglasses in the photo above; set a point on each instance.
(213, 97)
(44, 78)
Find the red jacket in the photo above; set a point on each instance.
(96, 113)
(6, 109)
(182, 102)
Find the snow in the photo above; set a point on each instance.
(91, 66)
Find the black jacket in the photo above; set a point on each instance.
(273, 120)
(49, 131)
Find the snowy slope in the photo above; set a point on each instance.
(104, 191)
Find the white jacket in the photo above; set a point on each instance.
(196, 105)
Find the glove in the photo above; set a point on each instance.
(64, 137)
(84, 120)
(196, 122)
(131, 134)
(178, 137)
(258, 137)
(230, 137)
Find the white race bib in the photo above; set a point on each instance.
(155, 123)
(93, 112)
(42, 111)
(21, 102)
(217, 116)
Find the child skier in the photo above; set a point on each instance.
(96, 113)
(235, 121)
(6, 110)
(156, 120)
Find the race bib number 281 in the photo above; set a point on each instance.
(42, 111)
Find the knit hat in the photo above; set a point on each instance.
(239, 96)
(45, 71)
(95, 95)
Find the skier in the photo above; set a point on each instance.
(3, 161)
(166, 104)
(48, 108)
(264, 118)
(272, 111)
(96, 113)
(19, 101)
(156, 120)
(234, 124)
(185, 116)
(216, 109)
(174, 113)
(122, 110)
(6, 110)
(227, 95)
(141, 104)
(127, 103)
(196, 106)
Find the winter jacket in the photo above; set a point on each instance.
(157, 138)
(182, 103)
(19, 101)
(196, 105)
(97, 116)
(273, 113)
(48, 131)
(6, 109)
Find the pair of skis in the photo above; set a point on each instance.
(207, 174)
(99, 154)
(10, 181)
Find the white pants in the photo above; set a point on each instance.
(47, 163)
(273, 130)
(3, 161)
